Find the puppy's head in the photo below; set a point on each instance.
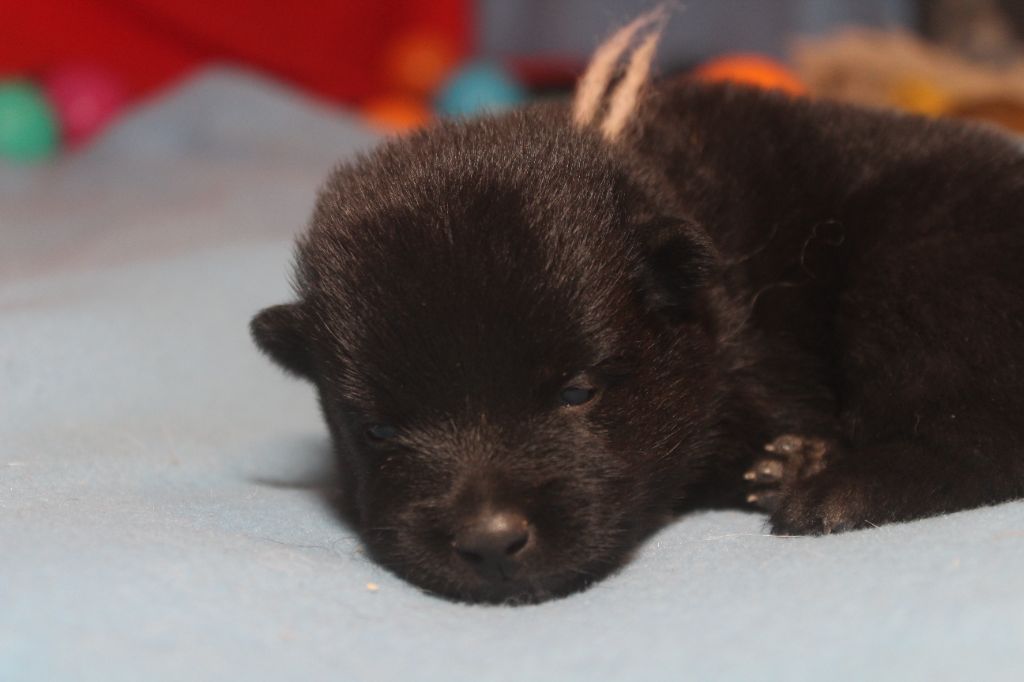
(506, 323)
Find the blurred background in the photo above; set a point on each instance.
(70, 69)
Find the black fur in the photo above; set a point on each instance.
(739, 267)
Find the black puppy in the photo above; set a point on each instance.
(537, 336)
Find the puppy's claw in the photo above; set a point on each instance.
(786, 445)
(765, 471)
(767, 500)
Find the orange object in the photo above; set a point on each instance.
(418, 61)
(751, 69)
(396, 113)
(920, 96)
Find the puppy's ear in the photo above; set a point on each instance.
(281, 331)
(680, 263)
(606, 68)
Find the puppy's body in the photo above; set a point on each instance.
(532, 344)
(878, 259)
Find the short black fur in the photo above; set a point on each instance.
(807, 307)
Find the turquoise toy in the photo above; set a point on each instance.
(28, 127)
(479, 87)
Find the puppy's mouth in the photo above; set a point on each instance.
(515, 590)
(524, 591)
(505, 562)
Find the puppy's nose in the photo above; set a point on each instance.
(494, 543)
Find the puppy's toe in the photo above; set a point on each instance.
(766, 471)
(804, 455)
(766, 499)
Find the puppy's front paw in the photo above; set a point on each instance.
(787, 461)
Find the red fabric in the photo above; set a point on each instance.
(332, 47)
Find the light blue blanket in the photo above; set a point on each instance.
(162, 510)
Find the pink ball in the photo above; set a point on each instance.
(85, 98)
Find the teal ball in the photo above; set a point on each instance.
(28, 127)
(477, 88)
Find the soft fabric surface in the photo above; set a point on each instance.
(164, 491)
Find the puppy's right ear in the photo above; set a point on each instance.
(281, 331)
(680, 263)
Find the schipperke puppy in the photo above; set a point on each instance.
(537, 336)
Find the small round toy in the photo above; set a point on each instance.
(85, 98)
(418, 61)
(28, 127)
(396, 113)
(751, 69)
(479, 87)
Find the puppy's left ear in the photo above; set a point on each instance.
(680, 263)
(281, 331)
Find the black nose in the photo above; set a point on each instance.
(494, 543)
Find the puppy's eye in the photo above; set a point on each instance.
(575, 395)
(380, 432)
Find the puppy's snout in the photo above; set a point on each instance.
(494, 543)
